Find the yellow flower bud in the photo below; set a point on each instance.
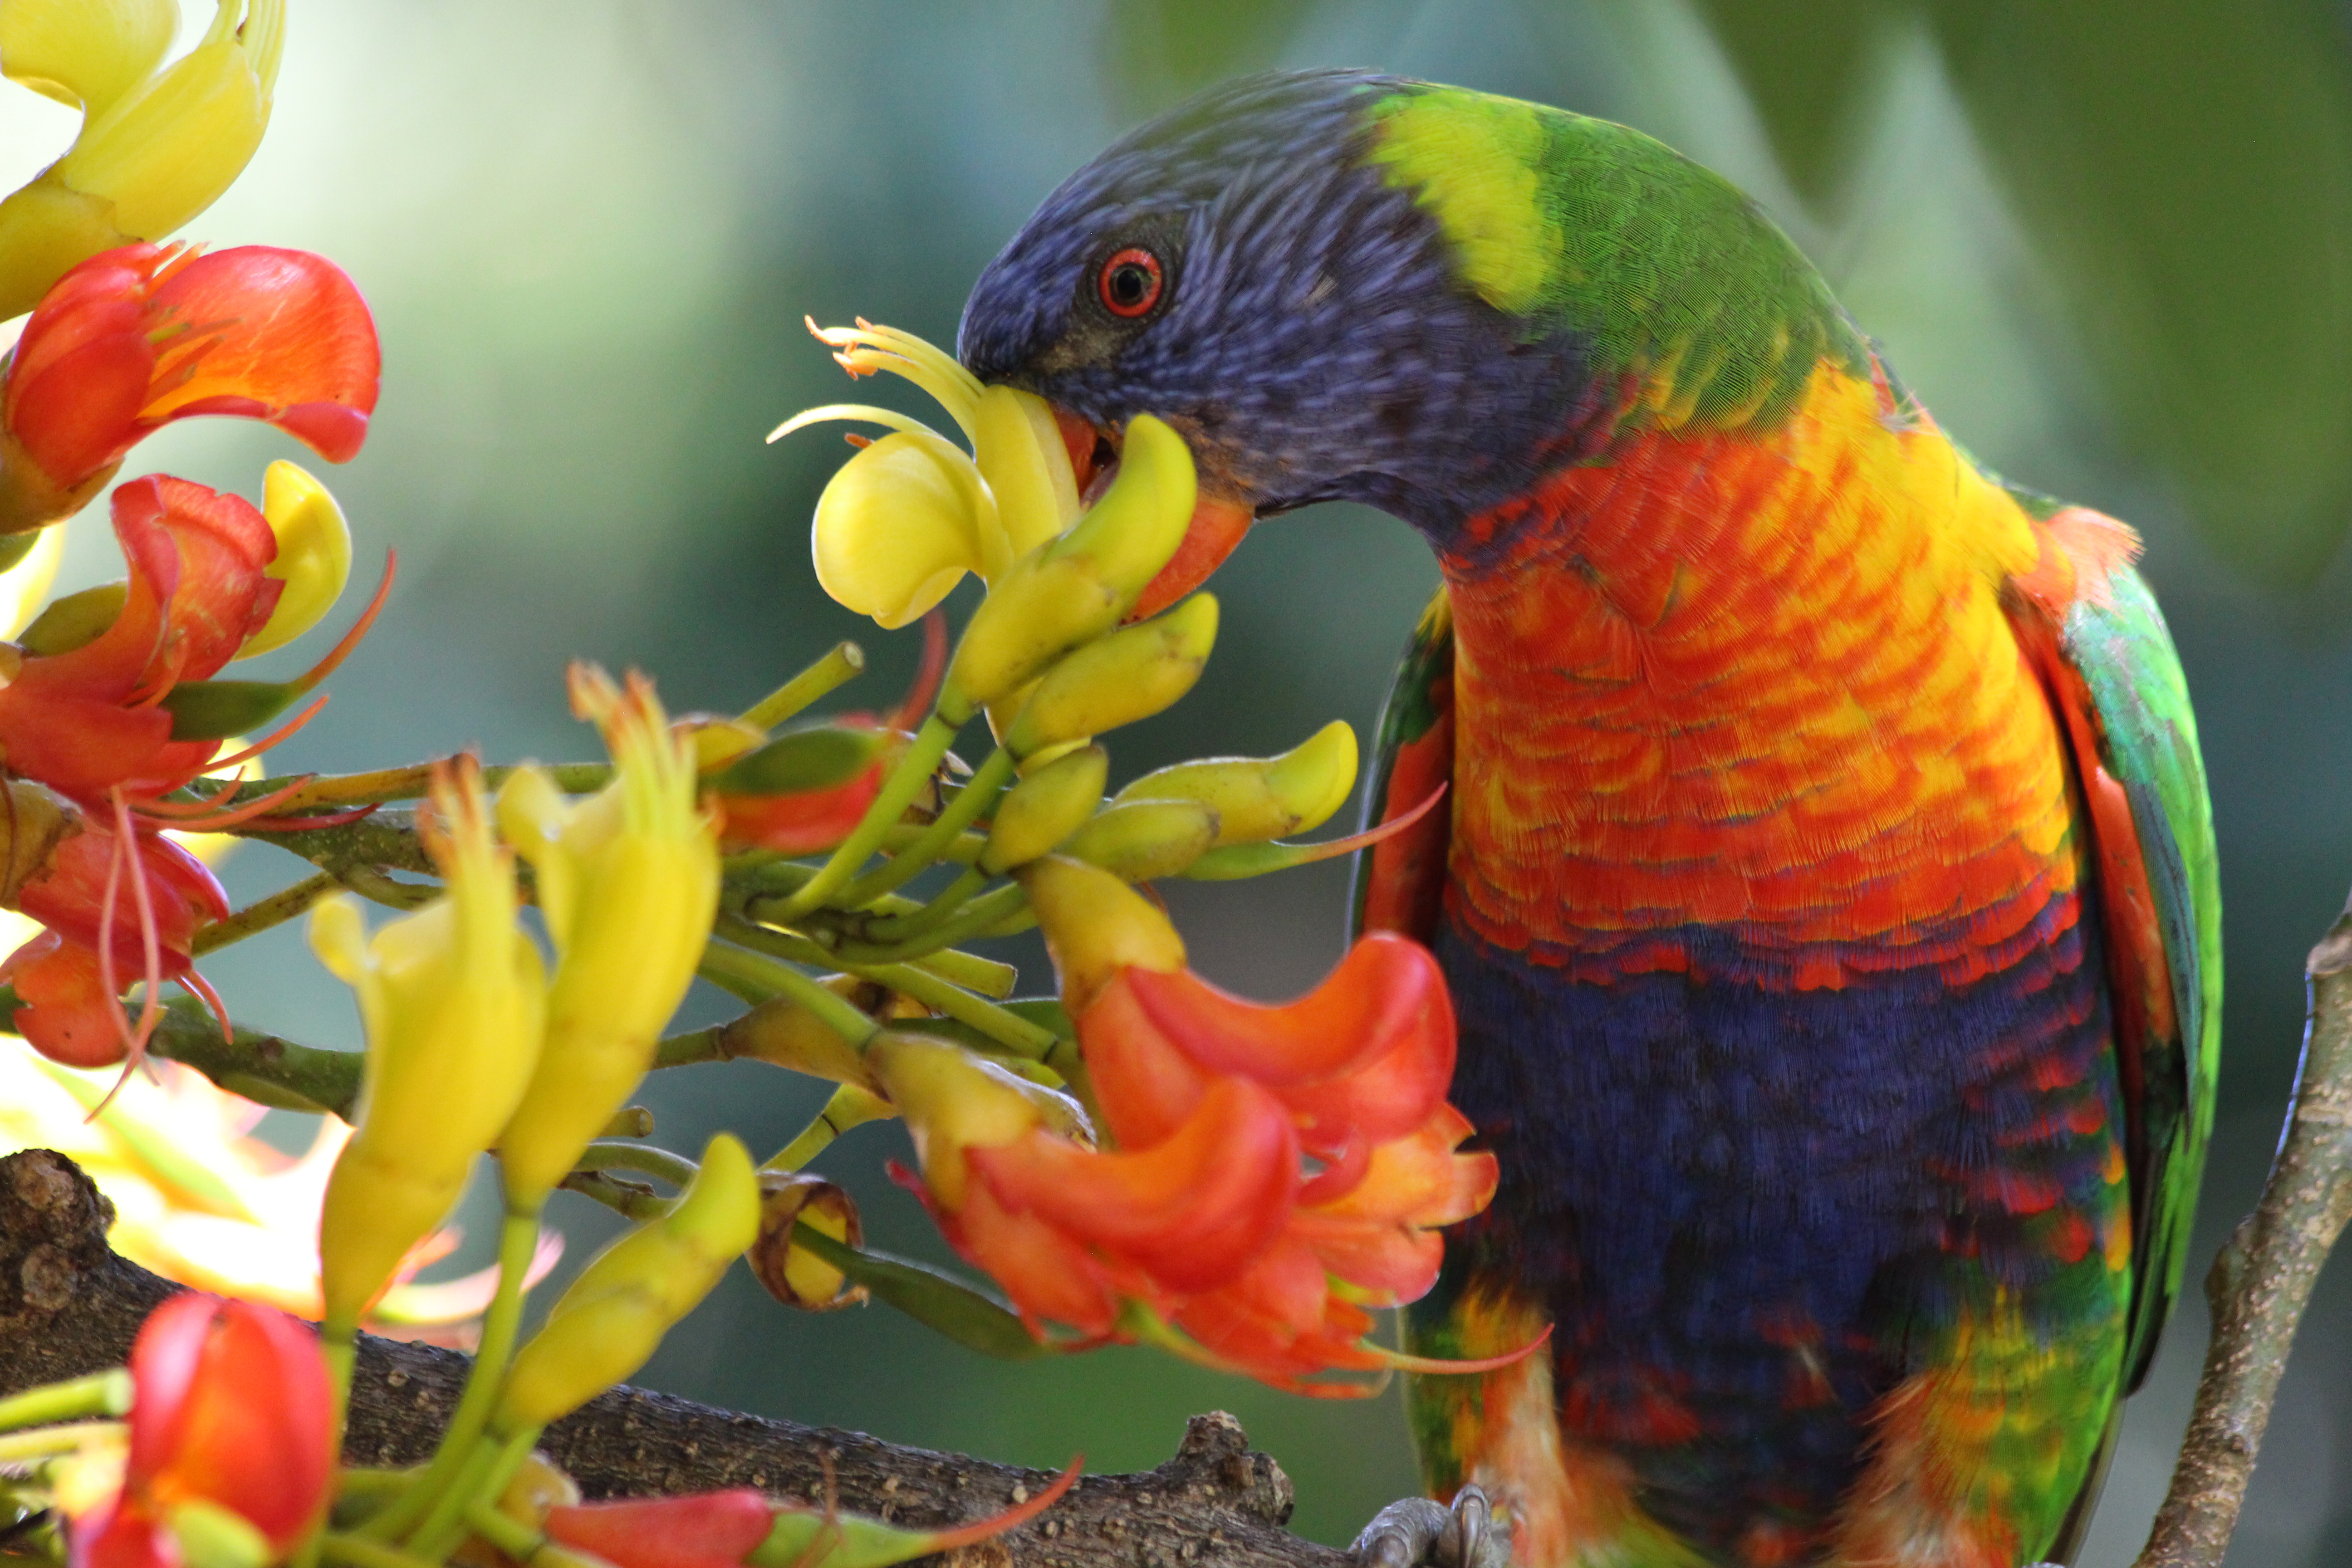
(84, 53)
(610, 1321)
(1258, 798)
(787, 1033)
(1046, 807)
(1079, 586)
(1144, 839)
(1132, 674)
(1020, 453)
(952, 1100)
(452, 997)
(629, 881)
(1096, 925)
(150, 156)
(314, 554)
(901, 523)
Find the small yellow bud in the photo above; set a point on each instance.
(84, 53)
(1145, 839)
(27, 584)
(952, 1100)
(314, 554)
(629, 881)
(1020, 453)
(1046, 807)
(901, 523)
(452, 997)
(1258, 798)
(1079, 586)
(611, 1320)
(1130, 675)
(1096, 925)
(793, 1274)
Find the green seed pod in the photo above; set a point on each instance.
(1045, 808)
(1144, 839)
(1258, 798)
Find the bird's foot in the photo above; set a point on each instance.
(1419, 1534)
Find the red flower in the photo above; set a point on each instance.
(135, 338)
(1277, 1170)
(108, 891)
(230, 1411)
(88, 718)
(702, 1530)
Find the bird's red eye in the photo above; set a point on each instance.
(1131, 282)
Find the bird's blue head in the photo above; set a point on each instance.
(1245, 269)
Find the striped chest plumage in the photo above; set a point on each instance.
(1781, 995)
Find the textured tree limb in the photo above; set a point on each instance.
(69, 1306)
(2262, 1281)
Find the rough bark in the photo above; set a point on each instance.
(69, 1306)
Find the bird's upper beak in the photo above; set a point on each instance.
(1219, 520)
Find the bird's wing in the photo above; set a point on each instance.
(2108, 663)
(1400, 881)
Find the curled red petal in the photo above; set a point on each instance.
(63, 1008)
(283, 332)
(804, 822)
(82, 369)
(699, 1530)
(1049, 1276)
(1145, 1085)
(1192, 1211)
(1368, 1052)
(252, 1430)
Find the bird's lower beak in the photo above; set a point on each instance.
(1219, 521)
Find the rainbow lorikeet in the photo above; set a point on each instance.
(1827, 882)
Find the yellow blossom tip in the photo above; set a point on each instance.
(867, 412)
(314, 554)
(84, 53)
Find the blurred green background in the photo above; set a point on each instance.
(2109, 243)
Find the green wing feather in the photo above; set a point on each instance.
(1399, 879)
(2125, 658)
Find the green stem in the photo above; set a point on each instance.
(979, 918)
(631, 1200)
(915, 768)
(494, 1464)
(358, 1552)
(509, 1535)
(410, 783)
(755, 978)
(338, 1347)
(263, 913)
(962, 850)
(844, 663)
(977, 795)
(17, 1448)
(1010, 1029)
(659, 1164)
(890, 929)
(849, 1107)
(377, 888)
(517, 1239)
(104, 1393)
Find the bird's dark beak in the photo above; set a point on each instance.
(1219, 521)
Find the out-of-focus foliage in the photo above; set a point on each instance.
(2184, 170)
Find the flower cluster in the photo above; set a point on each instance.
(110, 698)
(1272, 1171)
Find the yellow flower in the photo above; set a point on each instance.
(156, 148)
(904, 520)
(629, 881)
(314, 554)
(453, 998)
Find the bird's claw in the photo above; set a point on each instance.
(1419, 1534)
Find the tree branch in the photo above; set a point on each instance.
(69, 1306)
(2262, 1281)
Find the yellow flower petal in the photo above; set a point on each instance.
(314, 554)
(901, 523)
(166, 153)
(86, 53)
(27, 584)
(1020, 453)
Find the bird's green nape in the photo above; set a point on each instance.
(1675, 276)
